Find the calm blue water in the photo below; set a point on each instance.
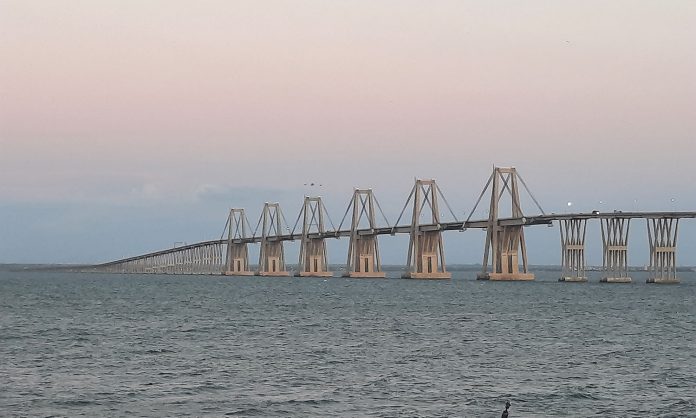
(113, 345)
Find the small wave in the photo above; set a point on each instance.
(211, 386)
(245, 412)
(76, 402)
(583, 395)
(683, 404)
(158, 351)
(308, 402)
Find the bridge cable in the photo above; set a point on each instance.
(380, 211)
(352, 199)
(478, 201)
(282, 215)
(248, 227)
(426, 199)
(404, 209)
(224, 229)
(326, 212)
(447, 203)
(364, 204)
(530, 194)
(257, 226)
(298, 219)
(506, 186)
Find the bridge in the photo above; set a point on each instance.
(505, 251)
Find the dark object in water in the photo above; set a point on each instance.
(505, 412)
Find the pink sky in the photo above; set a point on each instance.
(123, 101)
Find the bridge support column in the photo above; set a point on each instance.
(505, 243)
(363, 250)
(426, 257)
(216, 265)
(272, 262)
(615, 245)
(364, 259)
(313, 261)
(272, 253)
(573, 249)
(662, 236)
(237, 261)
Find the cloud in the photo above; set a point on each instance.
(147, 191)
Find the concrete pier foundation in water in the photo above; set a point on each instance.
(573, 233)
(615, 245)
(662, 237)
(426, 257)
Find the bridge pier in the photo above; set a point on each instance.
(237, 263)
(364, 259)
(363, 250)
(173, 262)
(218, 260)
(313, 261)
(573, 249)
(237, 260)
(426, 257)
(662, 237)
(272, 261)
(615, 245)
(187, 261)
(505, 243)
(272, 253)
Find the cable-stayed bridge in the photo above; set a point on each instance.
(505, 251)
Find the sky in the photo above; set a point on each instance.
(127, 126)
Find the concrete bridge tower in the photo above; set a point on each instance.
(363, 249)
(237, 260)
(313, 261)
(272, 253)
(426, 256)
(505, 245)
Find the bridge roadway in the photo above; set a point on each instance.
(444, 226)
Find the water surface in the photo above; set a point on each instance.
(151, 345)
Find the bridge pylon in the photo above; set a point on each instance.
(363, 249)
(662, 237)
(615, 250)
(573, 233)
(272, 253)
(313, 261)
(426, 256)
(237, 260)
(505, 243)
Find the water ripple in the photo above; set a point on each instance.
(111, 345)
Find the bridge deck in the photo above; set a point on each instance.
(445, 226)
